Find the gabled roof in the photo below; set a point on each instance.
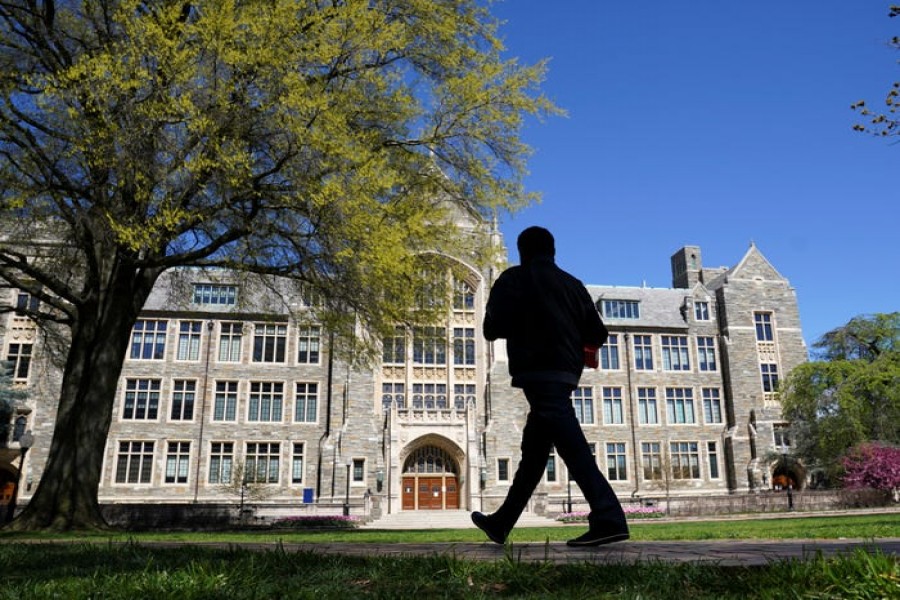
(754, 265)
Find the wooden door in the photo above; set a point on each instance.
(409, 496)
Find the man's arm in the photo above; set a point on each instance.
(498, 315)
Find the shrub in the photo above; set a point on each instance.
(631, 512)
(318, 522)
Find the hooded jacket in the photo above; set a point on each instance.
(547, 318)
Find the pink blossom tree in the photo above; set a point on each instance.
(876, 466)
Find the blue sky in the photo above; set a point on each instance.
(716, 123)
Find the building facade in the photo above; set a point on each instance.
(230, 393)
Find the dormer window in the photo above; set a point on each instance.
(701, 310)
(212, 293)
(621, 309)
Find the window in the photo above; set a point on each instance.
(18, 361)
(308, 345)
(463, 395)
(262, 464)
(621, 309)
(148, 340)
(463, 346)
(189, 340)
(183, 395)
(713, 455)
(141, 399)
(225, 402)
(643, 353)
(583, 403)
(612, 406)
(763, 322)
(680, 405)
(359, 470)
(230, 339)
(651, 458)
(712, 405)
(135, 462)
(769, 373)
(306, 400)
(782, 437)
(430, 346)
(609, 353)
(675, 353)
(701, 310)
(463, 296)
(221, 462)
(392, 393)
(297, 463)
(269, 341)
(25, 302)
(615, 462)
(429, 396)
(648, 413)
(394, 348)
(706, 353)
(266, 401)
(551, 466)
(177, 461)
(210, 293)
(685, 460)
(503, 469)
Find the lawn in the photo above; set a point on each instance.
(95, 568)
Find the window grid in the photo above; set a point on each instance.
(583, 403)
(648, 412)
(359, 470)
(430, 346)
(225, 403)
(685, 460)
(394, 348)
(613, 413)
(769, 372)
(651, 457)
(680, 405)
(221, 462)
(713, 455)
(503, 469)
(712, 405)
(609, 353)
(622, 309)
(675, 353)
(189, 333)
(269, 342)
(701, 310)
(706, 353)
(148, 340)
(429, 396)
(393, 393)
(141, 399)
(210, 293)
(551, 466)
(615, 462)
(306, 401)
(18, 361)
(763, 322)
(309, 342)
(266, 401)
(463, 394)
(643, 353)
(184, 393)
(177, 462)
(263, 462)
(463, 296)
(297, 463)
(230, 340)
(135, 462)
(463, 346)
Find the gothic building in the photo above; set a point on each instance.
(226, 384)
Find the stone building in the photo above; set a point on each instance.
(230, 393)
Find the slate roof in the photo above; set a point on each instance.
(660, 307)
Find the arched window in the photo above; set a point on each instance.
(429, 460)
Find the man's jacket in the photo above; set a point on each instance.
(547, 318)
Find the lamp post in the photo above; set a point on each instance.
(26, 441)
(569, 490)
(379, 479)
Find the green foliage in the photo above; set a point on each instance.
(851, 397)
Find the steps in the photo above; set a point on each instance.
(446, 519)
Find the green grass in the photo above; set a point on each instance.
(95, 567)
(132, 571)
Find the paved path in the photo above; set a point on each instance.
(720, 552)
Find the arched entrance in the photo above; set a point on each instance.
(430, 480)
(787, 473)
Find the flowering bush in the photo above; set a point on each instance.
(318, 521)
(873, 466)
(631, 512)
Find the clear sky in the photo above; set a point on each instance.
(716, 123)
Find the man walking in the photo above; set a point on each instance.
(549, 321)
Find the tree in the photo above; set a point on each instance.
(883, 123)
(849, 397)
(324, 142)
(873, 466)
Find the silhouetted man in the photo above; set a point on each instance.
(548, 320)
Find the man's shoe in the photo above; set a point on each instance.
(483, 522)
(598, 538)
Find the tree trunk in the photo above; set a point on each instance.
(66, 497)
